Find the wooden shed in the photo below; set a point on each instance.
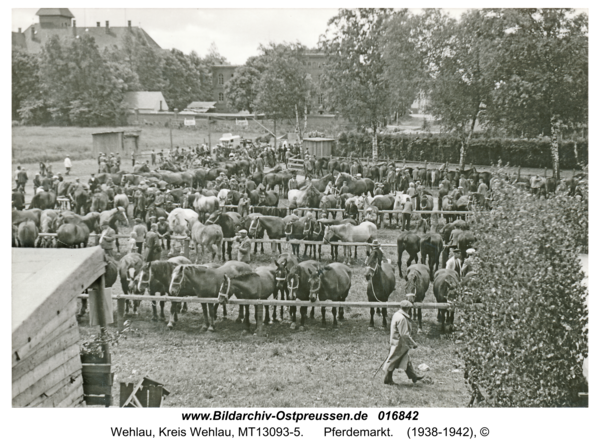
(46, 364)
(318, 147)
(121, 142)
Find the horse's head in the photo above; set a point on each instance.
(314, 285)
(141, 281)
(339, 180)
(411, 286)
(281, 274)
(360, 202)
(293, 281)
(328, 234)
(224, 291)
(308, 225)
(213, 218)
(121, 216)
(373, 263)
(254, 227)
(289, 228)
(177, 279)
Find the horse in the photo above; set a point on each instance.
(330, 201)
(385, 203)
(297, 281)
(259, 285)
(207, 237)
(445, 282)
(43, 200)
(432, 246)
(205, 282)
(364, 232)
(139, 205)
(72, 235)
(99, 202)
(121, 200)
(355, 186)
(426, 203)
(27, 233)
(205, 205)
(230, 223)
(156, 277)
(273, 225)
(129, 267)
(417, 284)
(321, 184)
(381, 283)
(331, 282)
(112, 217)
(179, 217)
(295, 230)
(411, 243)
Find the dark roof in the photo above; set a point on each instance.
(63, 12)
(114, 37)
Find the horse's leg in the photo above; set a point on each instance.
(302, 317)
(184, 308)
(341, 313)
(127, 302)
(312, 312)
(384, 314)
(162, 310)
(136, 305)
(205, 313)
(173, 315)
(240, 314)
(334, 312)
(293, 317)
(223, 250)
(420, 320)
(211, 317)
(267, 316)
(371, 322)
(247, 318)
(323, 311)
(154, 314)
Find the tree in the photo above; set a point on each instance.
(456, 55)
(25, 81)
(78, 85)
(405, 67)
(355, 74)
(284, 87)
(144, 60)
(213, 57)
(524, 345)
(182, 82)
(241, 90)
(542, 73)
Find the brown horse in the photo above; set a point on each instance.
(381, 283)
(333, 283)
(273, 225)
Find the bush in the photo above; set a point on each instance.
(534, 153)
(525, 345)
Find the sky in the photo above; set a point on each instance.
(237, 33)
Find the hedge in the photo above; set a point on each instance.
(533, 153)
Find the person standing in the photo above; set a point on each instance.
(107, 239)
(68, 165)
(243, 253)
(400, 344)
(406, 214)
(153, 158)
(244, 205)
(132, 243)
(164, 232)
(140, 234)
(21, 178)
(454, 263)
(153, 252)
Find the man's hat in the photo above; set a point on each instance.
(471, 251)
(243, 232)
(161, 218)
(405, 304)
(138, 220)
(376, 243)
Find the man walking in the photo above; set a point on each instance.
(107, 239)
(243, 253)
(68, 165)
(400, 344)
(140, 234)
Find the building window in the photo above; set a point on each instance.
(220, 79)
(221, 97)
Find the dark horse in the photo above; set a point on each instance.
(297, 281)
(382, 282)
(432, 246)
(411, 243)
(283, 265)
(230, 223)
(333, 283)
(445, 283)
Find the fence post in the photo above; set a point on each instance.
(186, 248)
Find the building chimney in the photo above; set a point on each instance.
(75, 28)
(129, 23)
(98, 24)
(33, 33)
(19, 30)
(160, 106)
(106, 27)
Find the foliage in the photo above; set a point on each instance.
(241, 89)
(181, 80)
(24, 80)
(355, 74)
(525, 345)
(284, 86)
(94, 344)
(533, 153)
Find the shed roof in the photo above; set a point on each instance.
(63, 12)
(145, 100)
(319, 139)
(44, 280)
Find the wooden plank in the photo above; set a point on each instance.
(61, 343)
(97, 390)
(54, 389)
(75, 398)
(35, 303)
(57, 325)
(92, 400)
(63, 394)
(96, 368)
(70, 368)
(32, 377)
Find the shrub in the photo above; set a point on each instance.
(525, 345)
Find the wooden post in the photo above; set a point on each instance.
(120, 314)
(186, 248)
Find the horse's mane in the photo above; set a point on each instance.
(242, 276)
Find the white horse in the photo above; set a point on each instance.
(222, 196)
(179, 217)
(205, 205)
(365, 232)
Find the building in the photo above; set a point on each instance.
(145, 102)
(117, 141)
(61, 22)
(220, 75)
